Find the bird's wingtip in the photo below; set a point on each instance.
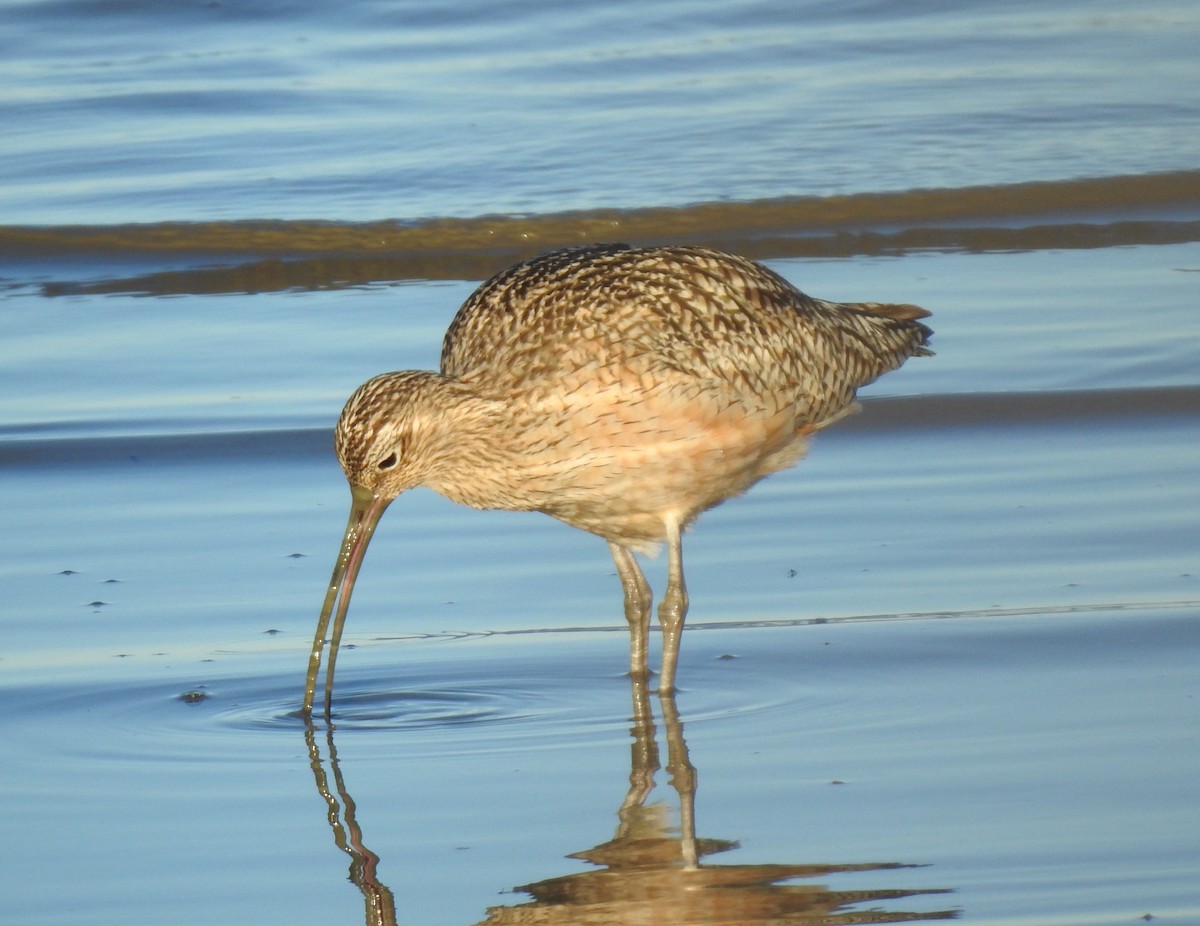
(901, 311)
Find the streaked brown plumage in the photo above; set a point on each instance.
(621, 390)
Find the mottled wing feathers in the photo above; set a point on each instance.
(694, 317)
(504, 318)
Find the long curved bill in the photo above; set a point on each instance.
(366, 508)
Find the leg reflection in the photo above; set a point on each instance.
(683, 777)
(648, 874)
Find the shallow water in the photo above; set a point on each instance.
(977, 610)
(960, 635)
(150, 112)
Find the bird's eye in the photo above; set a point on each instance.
(387, 462)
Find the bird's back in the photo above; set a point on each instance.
(653, 380)
(682, 314)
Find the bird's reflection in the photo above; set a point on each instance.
(347, 834)
(646, 873)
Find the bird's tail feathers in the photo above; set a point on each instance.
(904, 313)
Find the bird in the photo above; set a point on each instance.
(622, 390)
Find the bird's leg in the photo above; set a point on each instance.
(673, 607)
(637, 608)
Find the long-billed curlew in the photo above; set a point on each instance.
(621, 390)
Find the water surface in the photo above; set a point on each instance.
(961, 635)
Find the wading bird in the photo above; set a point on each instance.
(621, 390)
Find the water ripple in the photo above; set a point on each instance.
(392, 708)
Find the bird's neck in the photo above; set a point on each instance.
(472, 460)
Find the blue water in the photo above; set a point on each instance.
(960, 634)
(145, 111)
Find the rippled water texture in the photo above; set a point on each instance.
(149, 112)
(944, 668)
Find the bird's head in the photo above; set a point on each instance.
(386, 441)
(382, 435)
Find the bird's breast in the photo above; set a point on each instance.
(617, 459)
